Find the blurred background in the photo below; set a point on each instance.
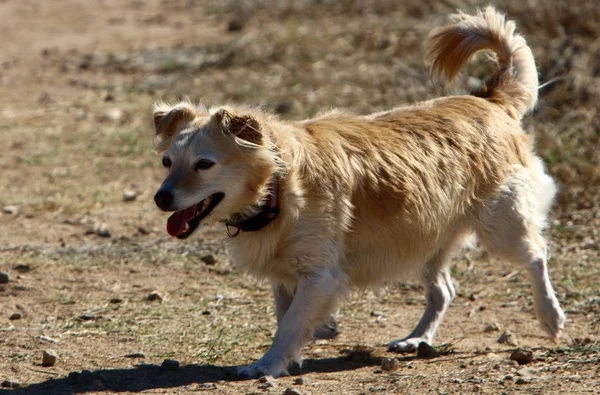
(78, 226)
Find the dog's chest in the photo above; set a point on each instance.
(260, 256)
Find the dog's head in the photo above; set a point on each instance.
(217, 164)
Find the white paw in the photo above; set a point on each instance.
(265, 366)
(552, 319)
(405, 345)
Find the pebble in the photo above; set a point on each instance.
(390, 364)
(424, 350)
(300, 381)
(491, 328)
(47, 339)
(523, 380)
(12, 210)
(235, 25)
(377, 314)
(154, 295)
(136, 354)
(284, 107)
(116, 300)
(291, 391)
(10, 383)
(4, 278)
(508, 338)
(522, 356)
(102, 231)
(129, 195)
(15, 316)
(526, 372)
(49, 358)
(266, 379)
(170, 364)
(22, 268)
(209, 260)
(114, 114)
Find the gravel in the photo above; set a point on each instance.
(153, 296)
(390, 364)
(4, 278)
(15, 316)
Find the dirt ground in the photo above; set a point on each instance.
(77, 81)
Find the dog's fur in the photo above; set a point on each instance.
(368, 199)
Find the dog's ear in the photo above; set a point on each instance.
(168, 120)
(244, 127)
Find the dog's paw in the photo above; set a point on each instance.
(405, 345)
(326, 331)
(264, 367)
(552, 320)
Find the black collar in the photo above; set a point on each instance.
(268, 212)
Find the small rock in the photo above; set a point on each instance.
(457, 381)
(108, 96)
(102, 231)
(154, 295)
(87, 317)
(522, 356)
(526, 372)
(424, 350)
(491, 328)
(209, 260)
(47, 339)
(170, 364)
(523, 380)
(390, 364)
(300, 381)
(508, 338)
(11, 209)
(377, 314)
(49, 358)
(235, 25)
(266, 386)
(284, 107)
(116, 300)
(136, 354)
(22, 268)
(114, 114)
(4, 278)
(291, 391)
(10, 383)
(15, 316)
(205, 312)
(97, 385)
(129, 195)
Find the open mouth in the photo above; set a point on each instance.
(184, 222)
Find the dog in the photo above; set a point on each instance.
(342, 200)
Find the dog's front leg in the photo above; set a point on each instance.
(316, 296)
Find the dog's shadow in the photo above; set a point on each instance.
(147, 376)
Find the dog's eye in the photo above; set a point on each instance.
(166, 162)
(203, 164)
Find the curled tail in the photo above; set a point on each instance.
(515, 85)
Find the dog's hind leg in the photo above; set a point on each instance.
(439, 292)
(283, 298)
(510, 225)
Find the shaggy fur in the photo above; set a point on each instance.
(368, 199)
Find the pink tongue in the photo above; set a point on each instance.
(176, 222)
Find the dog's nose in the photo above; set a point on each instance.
(163, 199)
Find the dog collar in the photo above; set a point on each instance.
(268, 212)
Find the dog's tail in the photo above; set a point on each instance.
(515, 84)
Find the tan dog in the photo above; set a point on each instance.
(346, 200)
